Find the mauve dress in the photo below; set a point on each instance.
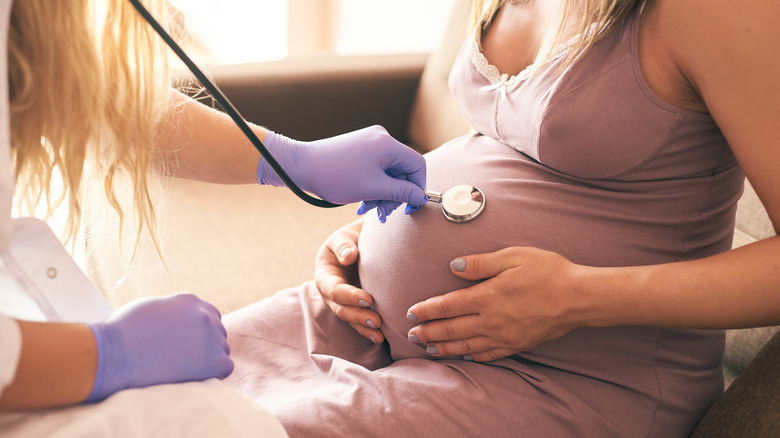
(588, 163)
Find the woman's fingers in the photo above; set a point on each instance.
(337, 281)
(457, 303)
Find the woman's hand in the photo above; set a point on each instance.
(529, 296)
(337, 280)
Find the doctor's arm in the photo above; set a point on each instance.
(201, 143)
(57, 366)
(729, 55)
(145, 342)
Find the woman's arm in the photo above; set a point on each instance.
(728, 54)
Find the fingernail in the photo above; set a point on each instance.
(346, 251)
(373, 339)
(412, 317)
(431, 349)
(411, 209)
(458, 265)
(414, 339)
(370, 324)
(382, 214)
(363, 303)
(362, 209)
(468, 358)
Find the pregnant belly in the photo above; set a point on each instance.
(406, 260)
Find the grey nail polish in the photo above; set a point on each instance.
(373, 339)
(468, 358)
(364, 303)
(412, 317)
(458, 265)
(431, 349)
(414, 339)
(370, 324)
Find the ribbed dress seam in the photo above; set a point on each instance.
(658, 383)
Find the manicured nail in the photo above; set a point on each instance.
(370, 324)
(414, 339)
(431, 349)
(468, 358)
(346, 251)
(373, 339)
(412, 317)
(382, 214)
(363, 303)
(362, 209)
(458, 265)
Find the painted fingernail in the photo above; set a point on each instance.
(382, 214)
(370, 324)
(414, 339)
(362, 209)
(364, 303)
(373, 339)
(431, 349)
(468, 358)
(412, 317)
(458, 265)
(345, 252)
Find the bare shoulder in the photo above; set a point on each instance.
(708, 36)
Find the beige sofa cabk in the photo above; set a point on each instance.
(233, 245)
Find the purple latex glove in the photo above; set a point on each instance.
(363, 165)
(151, 341)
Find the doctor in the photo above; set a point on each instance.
(77, 95)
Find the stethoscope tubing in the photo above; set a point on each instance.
(229, 109)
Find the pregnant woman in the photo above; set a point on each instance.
(584, 300)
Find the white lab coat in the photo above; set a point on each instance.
(40, 281)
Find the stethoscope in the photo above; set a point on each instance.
(459, 204)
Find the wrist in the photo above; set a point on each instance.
(613, 296)
(290, 154)
(111, 369)
(597, 305)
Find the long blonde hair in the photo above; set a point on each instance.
(603, 15)
(87, 81)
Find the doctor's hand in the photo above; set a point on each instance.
(528, 297)
(364, 165)
(337, 280)
(159, 340)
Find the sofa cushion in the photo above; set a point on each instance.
(751, 406)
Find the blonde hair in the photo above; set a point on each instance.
(586, 20)
(87, 81)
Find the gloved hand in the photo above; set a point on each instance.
(159, 340)
(363, 165)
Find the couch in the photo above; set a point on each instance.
(233, 245)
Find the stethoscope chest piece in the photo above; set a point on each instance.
(460, 203)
